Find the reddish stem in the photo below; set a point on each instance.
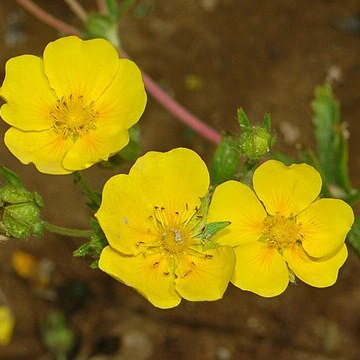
(47, 18)
(179, 111)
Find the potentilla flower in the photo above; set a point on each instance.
(71, 108)
(282, 228)
(155, 223)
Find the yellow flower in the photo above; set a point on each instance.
(72, 108)
(153, 221)
(282, 228)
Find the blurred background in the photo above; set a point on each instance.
(212, 56)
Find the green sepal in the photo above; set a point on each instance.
(267, 123)
(211, 229)
(15, 195)
(198, 219)
(242, 119)
(225, 162)
(95, 246)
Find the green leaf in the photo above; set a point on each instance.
(10, 177)
(93, 196)
(331, 142)
(354, 236)
(225, 162)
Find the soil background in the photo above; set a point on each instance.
(212, 56)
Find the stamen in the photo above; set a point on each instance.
(280, 232)
(73, 117)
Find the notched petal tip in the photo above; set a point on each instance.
(286, 190)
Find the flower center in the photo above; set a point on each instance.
(175, 240)
(175, 233)
(73, 117)
(281, 232)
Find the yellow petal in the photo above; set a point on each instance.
(29, 97)
(125, 217)
(260, 269)
(45, 149)
(205, 277)
(123, 102)
(321, 272)
(80, 68)
(94, 146)
(236, 202)
(324, 225)
(149, 275)
(172, 179)
(286, 190)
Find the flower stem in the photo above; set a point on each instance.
(77, 9)
(66, 231)
(180, 111)
(47, 18)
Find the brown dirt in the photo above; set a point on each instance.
(261, 55)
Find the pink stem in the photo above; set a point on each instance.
(48, 19)
(179, 111)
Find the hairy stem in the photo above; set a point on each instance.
(66, 231)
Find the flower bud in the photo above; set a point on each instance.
(20, 212)
(255, 142)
